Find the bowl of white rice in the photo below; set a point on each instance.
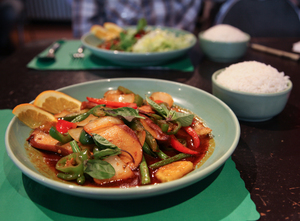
(223, 43)
(253, 90)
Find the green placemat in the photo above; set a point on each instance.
(220, 196)
(64, 61)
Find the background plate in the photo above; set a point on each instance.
(136, 59)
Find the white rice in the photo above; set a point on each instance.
(225, 33)
(253, 77)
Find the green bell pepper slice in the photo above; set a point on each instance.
(62, 138)
(72, 167)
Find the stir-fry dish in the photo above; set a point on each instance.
(139, 38)
(119, 140)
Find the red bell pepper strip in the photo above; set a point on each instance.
(158, 101)
(181, 148)
(194, 135)
(112, 103)
(63, 126)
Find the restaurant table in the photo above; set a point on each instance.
(268, 153)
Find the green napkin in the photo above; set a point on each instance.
(64, 61)
(220, 196)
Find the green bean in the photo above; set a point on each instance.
(67, 176)
(148, 150)
(125, 90)
(96, 111)
(80, 117)
(145, 175)
(70, 117)
(169, 160)
(75, 146)
(136, 125)
(151, 142)
(162, 155)
(80, 179)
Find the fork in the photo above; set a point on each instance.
(79, 54)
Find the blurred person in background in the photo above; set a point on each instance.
(10, 11)
(182, 14)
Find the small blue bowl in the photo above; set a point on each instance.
(251, 106)
(223, 51)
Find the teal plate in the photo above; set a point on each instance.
(137, 59)
(216, 114)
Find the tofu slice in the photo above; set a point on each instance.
(174, 171)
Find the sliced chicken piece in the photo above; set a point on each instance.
(162, 96)
(129, 98)
(124, 138)
(154, 129)
(101, 122)
(201, 129)
(44, 141)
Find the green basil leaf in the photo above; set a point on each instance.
(106, 153)
(126, 112)
(158, 108)
(126, 41)
(184, 118)
(142, 23)
(102, 143)
(99, 169)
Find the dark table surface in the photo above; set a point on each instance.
(268, 153)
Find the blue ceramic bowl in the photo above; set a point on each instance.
(223, 51)
(251, 106)
(217, 115)
(136, 59)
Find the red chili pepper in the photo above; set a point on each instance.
(194, 135)
(112, 103)
(181, 148)
(158, 101)
(63, 126)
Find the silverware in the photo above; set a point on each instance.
(50, 56)
(274, 51)
(79, 54)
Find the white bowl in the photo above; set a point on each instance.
(223, 51)
(251, 106)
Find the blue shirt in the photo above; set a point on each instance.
(180, 14)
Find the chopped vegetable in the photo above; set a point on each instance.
(145, 175)
(194, 135)
(62, 138)
(178, 146)
(72, 168)
(169, 160)
(112, 103)
(63, 126)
